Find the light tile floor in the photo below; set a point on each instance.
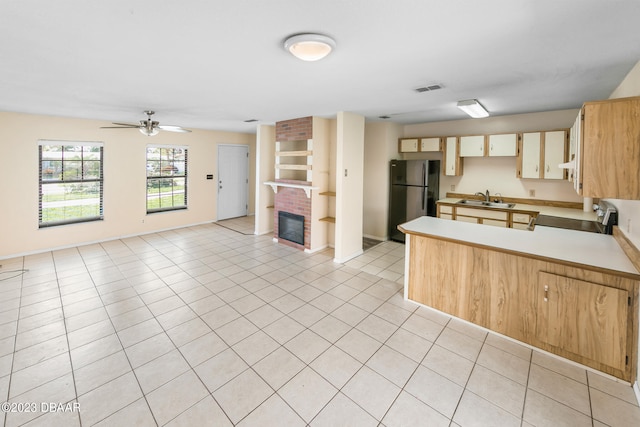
(207, 326)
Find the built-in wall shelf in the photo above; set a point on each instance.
(328, 193)
(294, 153)
(328, 219)
(294, 159)
(307, 188)
(294, 167)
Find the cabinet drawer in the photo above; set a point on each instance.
(482, 213)
(446, 216)
(520, 217)
(446, 209)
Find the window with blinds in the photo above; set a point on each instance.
(70, 183)
(166, 178)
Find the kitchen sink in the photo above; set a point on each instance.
(487, 204)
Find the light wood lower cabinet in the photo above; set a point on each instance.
(589, 316)
(582, 317)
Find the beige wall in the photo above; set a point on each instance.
(124, 185)
(498, 174)
(349, 189)
(379, 149)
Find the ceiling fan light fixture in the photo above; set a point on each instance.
(309, 46)
(473, 108)
(149, 132)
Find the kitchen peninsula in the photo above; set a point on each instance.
(571, 293)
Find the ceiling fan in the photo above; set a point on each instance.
(147, 127)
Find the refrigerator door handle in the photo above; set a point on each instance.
(424, 199)
(424, 173)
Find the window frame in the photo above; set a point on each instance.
(43, 183)
(172, 172)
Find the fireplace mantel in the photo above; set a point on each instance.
(307, 188)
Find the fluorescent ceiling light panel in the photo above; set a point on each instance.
(309, 47)
(473, 108)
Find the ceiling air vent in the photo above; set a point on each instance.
(428, 88)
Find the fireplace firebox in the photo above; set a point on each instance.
(291, 227)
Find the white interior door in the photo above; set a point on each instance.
(233, 181)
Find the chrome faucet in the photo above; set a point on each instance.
(487, 197)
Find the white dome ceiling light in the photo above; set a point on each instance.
(309, 47)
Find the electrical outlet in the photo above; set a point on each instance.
(628, 225)
(453, 187)
(532, 193)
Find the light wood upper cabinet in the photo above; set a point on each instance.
(554, 154)
(583, 318)
(529, 160)
(408, 145)
(430, 144)
(452, 161)
(472, 146)
(609, 155)
(540, 153)
(503, 145)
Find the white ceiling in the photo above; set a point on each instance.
(212, 64)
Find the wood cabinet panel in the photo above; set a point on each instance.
(582, 317)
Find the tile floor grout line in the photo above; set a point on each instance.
(132, 370)
(15, 341)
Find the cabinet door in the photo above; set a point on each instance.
(472, 146)
(429, 144)
(574, 153)
(554, 154)
(531, 155)
(611, 149)
(453, 166)
(584, 318)
(503, 145)
(408, 145)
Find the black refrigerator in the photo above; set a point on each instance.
(413, 192)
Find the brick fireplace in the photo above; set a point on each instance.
(295, 201)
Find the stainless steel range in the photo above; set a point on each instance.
(607, 217)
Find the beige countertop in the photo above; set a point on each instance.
(542, 210)
(575, 247)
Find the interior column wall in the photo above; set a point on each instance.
(349, 185)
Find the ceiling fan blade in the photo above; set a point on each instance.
(173, 128)
(119, 127)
